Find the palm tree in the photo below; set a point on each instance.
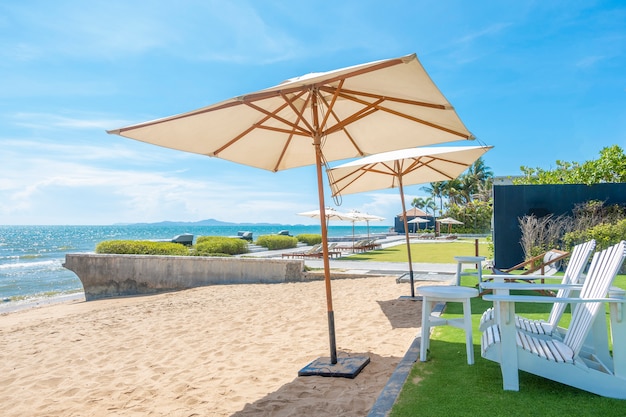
(424, 204)
(480, 179)
(436, 189)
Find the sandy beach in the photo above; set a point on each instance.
(231, 350)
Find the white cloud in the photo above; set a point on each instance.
(58, 121)
(589, 61)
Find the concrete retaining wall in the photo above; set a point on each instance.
(119, 275)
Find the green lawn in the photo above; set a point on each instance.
(431, 252)
(446, 385)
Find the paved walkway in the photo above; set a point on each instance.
(392, 268)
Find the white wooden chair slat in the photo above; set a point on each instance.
(546, 345)
(573, 274)
(563, 351)
(564, 360)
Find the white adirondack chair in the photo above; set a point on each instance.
(564, 360)
(573, 275)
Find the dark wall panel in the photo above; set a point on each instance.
(511, 202)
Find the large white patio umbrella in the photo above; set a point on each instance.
(329, 213)
(403, 167)
(364, 217)
(449, 221)
(418, 220)
(312, 119)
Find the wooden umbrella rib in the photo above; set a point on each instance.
(274, 115)
(377, 106)
(283, 130)
(250, 98)
(232, 141)
(374, 169)
(282, 153)
(358, 173)
(342, 123)
(300, 114)
(338, 122)
(350, 94)
(175, 117)
(298, 120)
(273, 93)
(426, 123)
(331, 105)
(445, 160)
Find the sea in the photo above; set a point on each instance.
(31, 257)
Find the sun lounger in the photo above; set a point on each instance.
(315, 250)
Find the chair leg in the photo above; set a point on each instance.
(467, 321)
(425, 340)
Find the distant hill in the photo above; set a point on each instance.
(207, 222)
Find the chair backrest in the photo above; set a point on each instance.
(315, 248)
(551, 263)
(573, 273)
(604, 266)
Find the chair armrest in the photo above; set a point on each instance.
(540, 299)
(524, 287)
(519, 277)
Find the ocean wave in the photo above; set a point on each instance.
(55, 263)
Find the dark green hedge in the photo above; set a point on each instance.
(310, 239)
(605, 234)
(219, 245)
(141, 247)
(275, 242)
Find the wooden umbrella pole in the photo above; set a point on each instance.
(317, 143)
(406, 234)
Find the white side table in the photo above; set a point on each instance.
(477, 260)
(434, 294)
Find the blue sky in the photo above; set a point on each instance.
(539, 80)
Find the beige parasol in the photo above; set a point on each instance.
(418, 220)
(312, 119)
(403, 167)
(449, 221)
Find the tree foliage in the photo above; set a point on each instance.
(425, 204)
(609, 167)
(468, 198)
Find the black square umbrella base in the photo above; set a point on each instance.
(347, 367)
(408, 297)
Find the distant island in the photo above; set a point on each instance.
(207, 222)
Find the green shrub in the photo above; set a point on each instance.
(275, 242)
(141, 247)
(219, 245)
(605, 234)
(310, 239)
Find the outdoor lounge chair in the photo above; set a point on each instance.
(546, 264)
(315, 250)
(536, 268)
(573, 275)
(564, 360)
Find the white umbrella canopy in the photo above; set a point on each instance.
(329, 213)
(418, 220)
(365, 217)
(350, 108)
(357, 216)
(449, 221)
(313, 119)
(403, 167)
(409, 166)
